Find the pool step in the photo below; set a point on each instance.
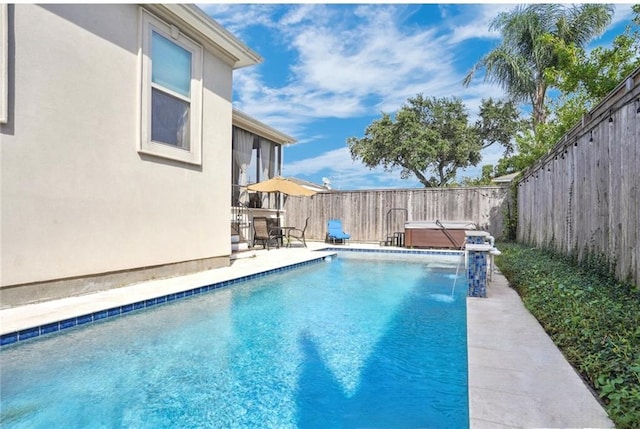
(242, 254)
(240, 248)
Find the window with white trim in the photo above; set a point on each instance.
(171, 104)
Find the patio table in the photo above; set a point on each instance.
(281, 232)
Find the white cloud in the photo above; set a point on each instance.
(303, 13)
(338, 160)
(478, 19)
(345, 66)
(238, 19)
(362, 60)
(344, 63)
(346, 174)
(623, 13)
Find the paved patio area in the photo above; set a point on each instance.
(517, 377)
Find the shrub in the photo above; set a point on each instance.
(591, 317)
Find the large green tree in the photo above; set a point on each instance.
(594, 75)
(499, 122)
(526, 52)
(431, 138)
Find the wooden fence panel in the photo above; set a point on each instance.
(582, 198)
(368, 215)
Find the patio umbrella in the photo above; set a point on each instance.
(283, 186)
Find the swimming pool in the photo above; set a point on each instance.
(358, 341)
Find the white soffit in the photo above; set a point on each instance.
(210, 32)
(246, 122)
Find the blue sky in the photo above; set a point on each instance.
(329, 70)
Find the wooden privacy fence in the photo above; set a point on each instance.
(366, 215)
(582, 197)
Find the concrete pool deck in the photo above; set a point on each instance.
(517, 376)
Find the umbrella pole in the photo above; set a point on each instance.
(279, 199)
(278, 203)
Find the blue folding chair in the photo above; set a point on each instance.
(335, 233)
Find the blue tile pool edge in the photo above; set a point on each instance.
(37, 331)
(398, 251)
(49, 328)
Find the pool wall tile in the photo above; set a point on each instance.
(7, 339)
(28, 333)
(51, 327)
(68, 323)
(398, 251)
(113, 312)
(81, 320)
(100, 315)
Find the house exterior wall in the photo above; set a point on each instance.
(78, 199)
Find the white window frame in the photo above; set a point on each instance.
(4, 64)
(149, 25)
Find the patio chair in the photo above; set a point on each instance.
(298, 234)
(335, 232)
(262, 232)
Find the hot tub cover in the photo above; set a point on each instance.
(435, 224)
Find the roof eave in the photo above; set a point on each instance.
(246, 122)
(235, 51)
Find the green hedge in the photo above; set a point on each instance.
(591, 317)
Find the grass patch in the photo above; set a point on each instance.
(591, 317)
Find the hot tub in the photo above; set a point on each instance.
(436, 233)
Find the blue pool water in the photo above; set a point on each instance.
(358, 341)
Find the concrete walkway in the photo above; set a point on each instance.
(517, 377)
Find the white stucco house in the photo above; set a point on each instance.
(116, 154)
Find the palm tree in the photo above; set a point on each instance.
(529, 34)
